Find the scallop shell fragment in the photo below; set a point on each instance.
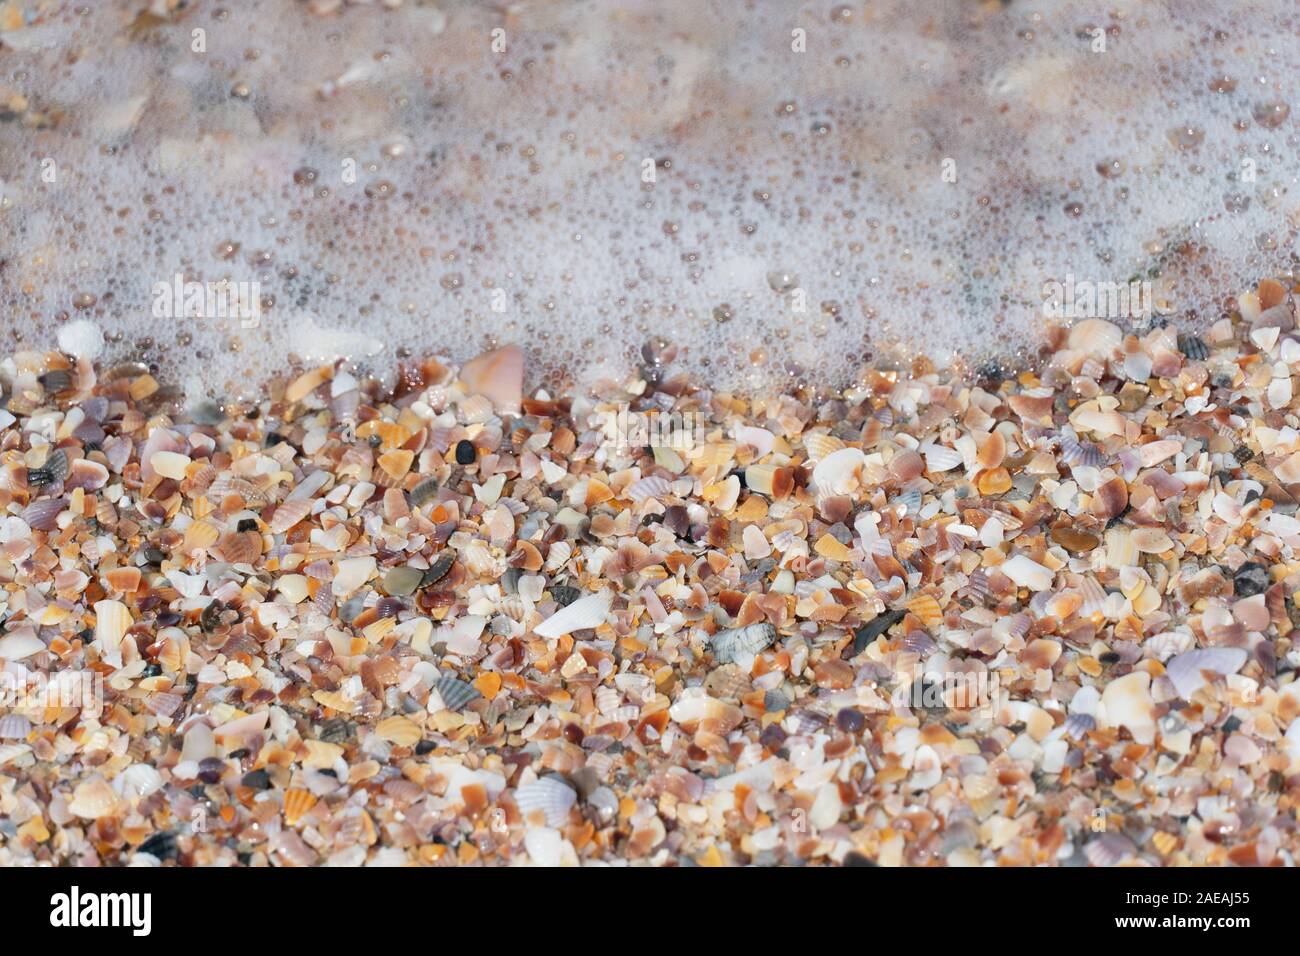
(94, 799)
(548, 795)
(455, 693)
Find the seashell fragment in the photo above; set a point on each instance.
(729, 644)
(585, 613)
(1187, 670)
(1096, 338)
(1027, 573)
(548, 795)
(455, 693)
(1126, 702)
(94, 799)
(289, 514)
(837, 473)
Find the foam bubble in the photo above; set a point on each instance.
(635, 171)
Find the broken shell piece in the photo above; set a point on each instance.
(585, 613)
(455, 693)
(837, 473)
(94, 799)
(1096, 338)
(729, 644)
(498, 376)
(1188, 670)
(1126, 702)
(1027, 573)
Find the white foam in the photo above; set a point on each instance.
(521, 171)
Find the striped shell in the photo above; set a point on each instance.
(112, 621)
(926, 608)
(1079, 725)
(93, 799)
(14, 727)
(200, 536)
(401, 731)
(940, 457)
(652, 486)
(43, 513)
(1075, 452)
(977, 586)
(289, 514)
(729, 644)
(727, 683)
(819, 444)
(1109, 849)
(1187, 671)
(297, 803)
(455, 693)
(138, 781)
(476, 408)
(548, 795)
(1094, 596)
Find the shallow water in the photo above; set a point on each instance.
(784, 190)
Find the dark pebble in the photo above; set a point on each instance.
(162, 845)
(850, 721)
(1250, 579)
(257, 780)
(564, 595)
(874, 628)
(465, 453)
(772, 737)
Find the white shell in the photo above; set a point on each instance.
(138, 781)
(940, 458)
(1095, 338)
(19, 644)
(1027, 573)
(727, 645)
(550, 795)
(112, 621)
(836, 474)
(1126, 702)
(1185, 669)
(586, 612)
(653, 486)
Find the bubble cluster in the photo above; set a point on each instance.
(783, 191)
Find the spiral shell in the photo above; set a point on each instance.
(729, 644)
